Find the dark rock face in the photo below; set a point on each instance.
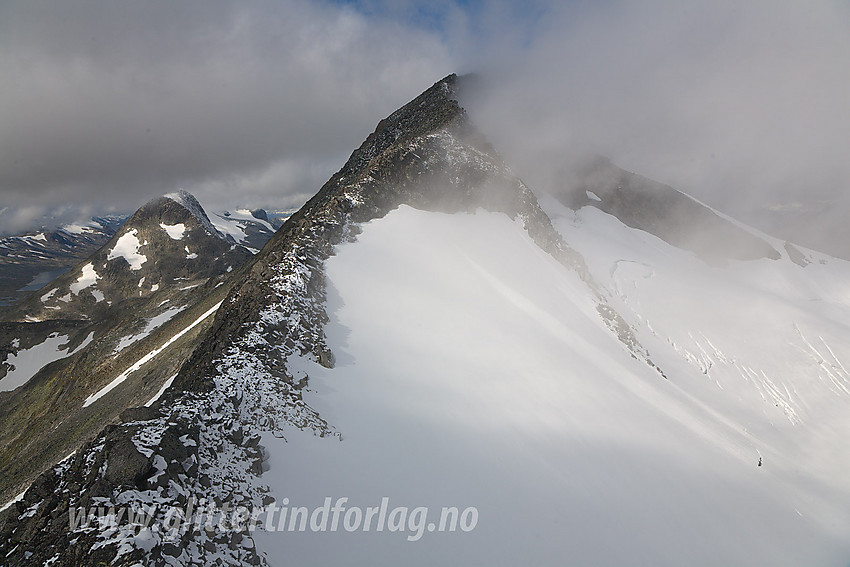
(260, 214)
(125, 466)
(796, 255)
(661, 210)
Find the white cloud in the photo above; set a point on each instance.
(133, 101)
(260, 102)
(727, 100)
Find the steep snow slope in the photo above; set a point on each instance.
(472, 370)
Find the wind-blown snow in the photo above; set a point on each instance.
(174, 231)
(127, 247)
(87, 278)
(29, 361)
(473, 370)
(146, 358)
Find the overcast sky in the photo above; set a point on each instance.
(106, 104)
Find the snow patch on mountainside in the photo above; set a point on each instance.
(127, 247)
(473, 370)
(160, 392)
(152, 324)
(174, 231)
(29, 361)
(146, 358)
(87, 278)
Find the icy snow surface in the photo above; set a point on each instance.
(473, 370)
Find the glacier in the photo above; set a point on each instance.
(473, 370)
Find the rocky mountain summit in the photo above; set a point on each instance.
(168, 240)
(426, 155)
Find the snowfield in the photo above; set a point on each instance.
(473, 370)
(234, 224)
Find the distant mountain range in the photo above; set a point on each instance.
(31, 260)
(158, 269)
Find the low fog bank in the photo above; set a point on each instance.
(817, 224)
(741, 106)
(19, 220)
